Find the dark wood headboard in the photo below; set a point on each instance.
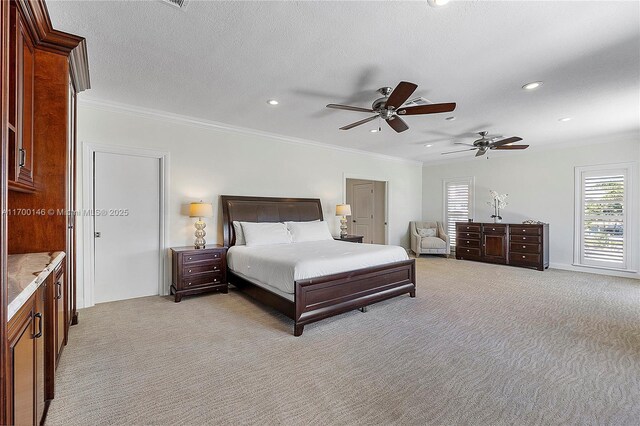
(265, 209)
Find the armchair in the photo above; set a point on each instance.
(437, 244)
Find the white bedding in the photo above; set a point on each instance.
(279, 265)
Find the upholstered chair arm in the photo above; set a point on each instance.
(415, 239)
(442, 234)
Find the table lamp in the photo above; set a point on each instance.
(200, 210)
(343, 210)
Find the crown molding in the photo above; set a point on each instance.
(200, 122)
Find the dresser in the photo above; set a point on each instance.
(504, 243)
(198, 271)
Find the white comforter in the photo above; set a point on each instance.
(279, 265)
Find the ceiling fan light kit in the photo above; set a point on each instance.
(390, 107)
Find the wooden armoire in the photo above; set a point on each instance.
(42, 71)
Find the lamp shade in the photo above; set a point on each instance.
(343, 210)
(200, 209)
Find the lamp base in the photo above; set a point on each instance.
(343, 227)
(200, 242)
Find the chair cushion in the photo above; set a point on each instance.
(427, 232)
(433, 243)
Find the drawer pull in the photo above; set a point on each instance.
(467, 251)
(524, 246)
(39, 333)
(524, 257)
(524, 230)
(215, 280)
(215, 268)
(493, 229)
(467, 227)
(189, 258)
(189, 270)
(467, 242)
(524, 238)
(190, 283)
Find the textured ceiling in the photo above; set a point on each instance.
(222, 61)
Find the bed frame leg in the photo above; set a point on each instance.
(298, 329)
(412, 293)
(364, 309)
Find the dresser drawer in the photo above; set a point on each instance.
(208, 278)
(467, 252)
(468, 228)
(205, 256)
(468, 235)
(524, 258)
(525, 238)
(201, 267)
(526, 230)
(495, 229)
(463, 242)
(524, 248)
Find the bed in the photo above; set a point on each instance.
(299, 293)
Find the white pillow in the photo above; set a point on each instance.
(260, 234)
(309, 231)
(237, 228)
(427, 232)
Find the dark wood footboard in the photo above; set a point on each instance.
(326, 296)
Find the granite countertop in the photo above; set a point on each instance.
(25, 274)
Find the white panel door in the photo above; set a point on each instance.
(127, 226)
(362, 214)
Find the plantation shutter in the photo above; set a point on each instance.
(603, 218)
(457, 205)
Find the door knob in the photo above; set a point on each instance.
(97, 234)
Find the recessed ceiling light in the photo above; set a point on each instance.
(374, 130)
(450, 118)
(437, 3)
(428, 145)
(532, 86)
(565, 119)
(272, 102)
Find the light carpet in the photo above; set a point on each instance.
(481, 344)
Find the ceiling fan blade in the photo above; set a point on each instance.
(453, 152)
(349, 108)
(462, 143)
(427, 109)
(400, 94)
(481, 152)
(512, 147)
(505, 141)
(397, 124)
(357, 123)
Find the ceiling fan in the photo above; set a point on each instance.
(390, 108)
(485, 143)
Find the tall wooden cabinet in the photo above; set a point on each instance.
(42, 71)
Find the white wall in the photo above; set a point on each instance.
(207, 161)
(540, 185)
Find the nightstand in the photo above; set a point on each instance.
(350, 238)
(198, 270)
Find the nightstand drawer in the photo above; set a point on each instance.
(205, 256)
(468, 252)
(468, 228)
(462, 242)
(201, 267)
(524, 248)
(208, 278)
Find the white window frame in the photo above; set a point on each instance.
(469, 180)
(629, 220)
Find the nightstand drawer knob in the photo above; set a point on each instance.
(189, 270)
(524, 257)
(524, 238)
(524, 246)
(467, 242)
(189, 258)
(190, 283)
(467, 251)
(493, 229)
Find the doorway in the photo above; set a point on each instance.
(124, 236)
(368, 200)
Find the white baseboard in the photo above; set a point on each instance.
(567, 267)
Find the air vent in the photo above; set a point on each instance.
(418, 102)
(180, 4)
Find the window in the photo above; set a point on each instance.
(458, 204)
(603, 202)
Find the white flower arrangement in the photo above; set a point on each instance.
(498, 201)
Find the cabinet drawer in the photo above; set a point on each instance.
(468, 252)
(468, 228)
(468, 235)
(202, 267)
(524, 248)
(526, 230)
(525, 238)
(208, 278)
(201, 257)
(462, 242)
(526, 258)
(495, 229)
